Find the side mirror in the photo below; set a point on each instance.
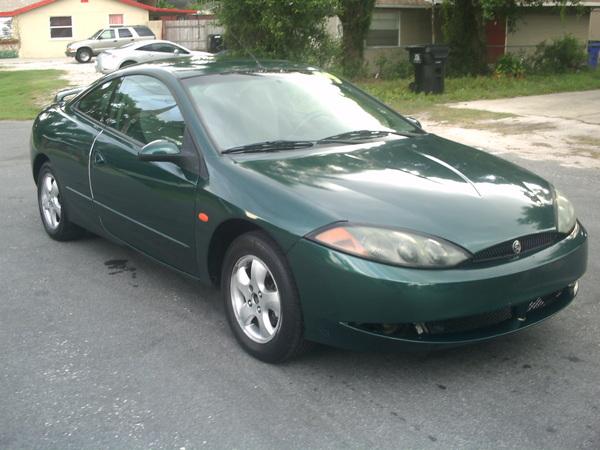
(176, 51)
(414, 121)
(160, 150)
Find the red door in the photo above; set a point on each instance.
(495, 32)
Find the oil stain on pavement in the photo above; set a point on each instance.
(116, 266)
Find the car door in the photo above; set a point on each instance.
(149, 205)
(124, 36)
(105, 41)
(147, 53)
(166, 51)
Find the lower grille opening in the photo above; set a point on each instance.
(464, 324)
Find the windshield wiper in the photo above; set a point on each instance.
(363, 135)
(269, 146)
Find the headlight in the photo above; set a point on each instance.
(565, 213)
(397, 247)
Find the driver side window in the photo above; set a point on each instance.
(144, 109)
(95, 102)
(107, 34)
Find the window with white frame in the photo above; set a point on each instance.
(61, 27)
(6, 27)
(115, 19)
(384, 30)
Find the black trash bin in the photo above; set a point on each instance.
(215, 43)
(429, 62)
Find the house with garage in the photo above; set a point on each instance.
(42, 28)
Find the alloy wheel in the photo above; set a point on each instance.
(255, 299)
(50, 202)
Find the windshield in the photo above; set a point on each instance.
(96, 34)
(245, 108)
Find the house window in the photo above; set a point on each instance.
(6, 27)
(384, 30)
(115, 19)
(61, 27)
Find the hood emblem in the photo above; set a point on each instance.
(516, 247)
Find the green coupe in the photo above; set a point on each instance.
(324, 215)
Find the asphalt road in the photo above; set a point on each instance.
(98, 353)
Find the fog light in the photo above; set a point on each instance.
(574, 288)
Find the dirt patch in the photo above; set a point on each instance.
(559, 140)
(570, 141)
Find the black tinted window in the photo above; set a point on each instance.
(164, 48)
(143, 31)
(144, 109)
(96, 101)
(146, 48)
(125, 33)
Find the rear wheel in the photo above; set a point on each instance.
(261, 301)
(84, 55)
(52, 207)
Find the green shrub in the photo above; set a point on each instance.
(388, 69)
(8, 54)
(510, 64)
(565, 54)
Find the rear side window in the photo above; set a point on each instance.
(95, 102)
(125, 33)
(144, 109)
(143, 31)
(146, 48)
(164, 48)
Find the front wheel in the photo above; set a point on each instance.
(52, 207)
(261, 301)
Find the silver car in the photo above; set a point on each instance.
(140, 52)
(106, 39)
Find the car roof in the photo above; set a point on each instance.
(191, 67)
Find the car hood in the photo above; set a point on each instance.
(425, 183)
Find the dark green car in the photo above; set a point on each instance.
(324, 215)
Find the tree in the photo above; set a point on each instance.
(463, 23)
(355, 16)
(294, 29)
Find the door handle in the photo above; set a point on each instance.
(99, 159)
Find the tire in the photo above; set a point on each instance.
(84, 55)
(127, 63)
(272, 332)
(53, 211)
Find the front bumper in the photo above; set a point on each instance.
(105, 65)
(348, 301)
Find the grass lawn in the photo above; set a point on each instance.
(24, 92)
(397, 94)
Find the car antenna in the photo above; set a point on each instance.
(243, 47)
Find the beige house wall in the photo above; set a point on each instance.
(536, 26)
(595, 25)
(157, 28)
(33, 27)
(415, 28)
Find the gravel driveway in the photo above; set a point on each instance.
(101, 348)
